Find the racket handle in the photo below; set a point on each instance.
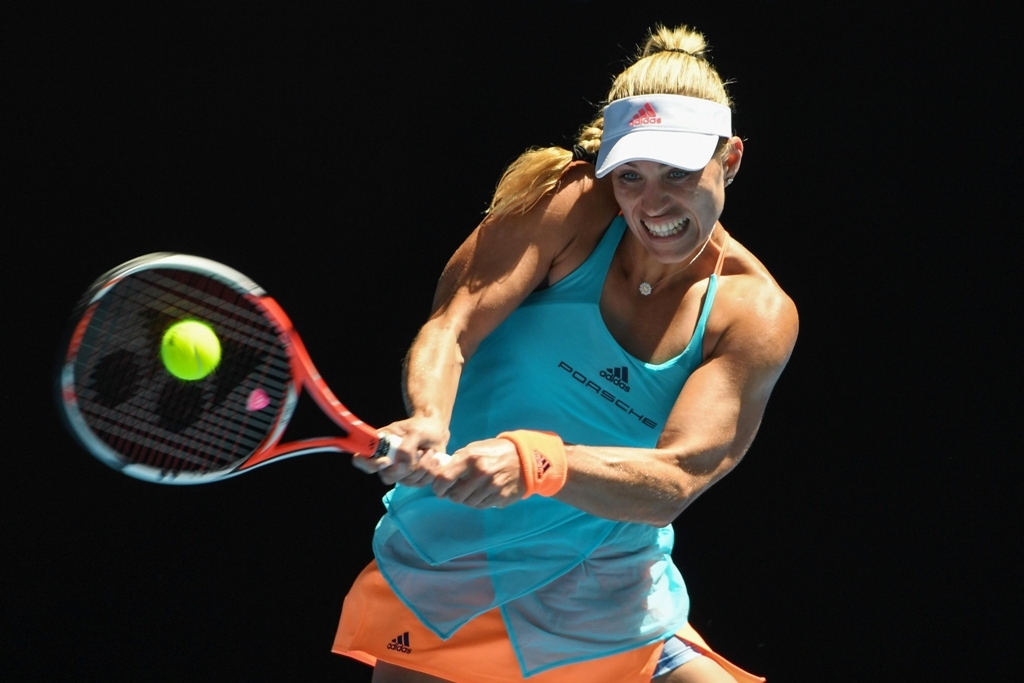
(389, 443)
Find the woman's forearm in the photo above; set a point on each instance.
(433, 367)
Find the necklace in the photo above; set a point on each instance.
(646, 287)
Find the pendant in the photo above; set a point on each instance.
(645, 288)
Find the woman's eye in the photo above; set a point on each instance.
(678, 174)
(629, 176)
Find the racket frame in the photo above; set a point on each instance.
(360, 440)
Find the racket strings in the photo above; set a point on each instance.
(148, 418)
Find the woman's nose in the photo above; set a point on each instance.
(654, 198)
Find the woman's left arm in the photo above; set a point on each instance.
(711, 426)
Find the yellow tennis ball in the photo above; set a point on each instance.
(190, 350)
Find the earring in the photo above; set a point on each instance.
(728, 181)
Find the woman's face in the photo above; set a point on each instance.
(669, 210)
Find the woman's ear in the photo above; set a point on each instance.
(732, 158)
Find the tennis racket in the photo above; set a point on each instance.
(125, 408)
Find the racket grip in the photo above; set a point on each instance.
(389, 443)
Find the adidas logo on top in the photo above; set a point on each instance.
(401, 643)
(618, 376)
(646, 115)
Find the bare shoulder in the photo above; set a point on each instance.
(515, 253)
(577, 204)
(753, 317)
(580, 210)
(582, 194)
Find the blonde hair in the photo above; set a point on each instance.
(670, 62)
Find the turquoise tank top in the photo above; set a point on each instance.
(570, 586)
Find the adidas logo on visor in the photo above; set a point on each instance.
(645, 116)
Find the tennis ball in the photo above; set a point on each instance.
(190, 350)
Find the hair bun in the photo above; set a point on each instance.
(681, 39)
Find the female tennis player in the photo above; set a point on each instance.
(600, 352)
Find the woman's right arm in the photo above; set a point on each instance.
(501, 262)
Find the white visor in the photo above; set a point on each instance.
(675, 130)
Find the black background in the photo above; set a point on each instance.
(338, 157)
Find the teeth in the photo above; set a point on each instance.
(666, 229)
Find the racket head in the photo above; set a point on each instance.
(124, 407)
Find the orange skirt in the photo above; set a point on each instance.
(376, 624)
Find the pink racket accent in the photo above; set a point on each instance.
(258, 400)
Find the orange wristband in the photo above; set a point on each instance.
(542, 455)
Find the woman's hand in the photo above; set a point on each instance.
(484, 474)
(415, 461)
